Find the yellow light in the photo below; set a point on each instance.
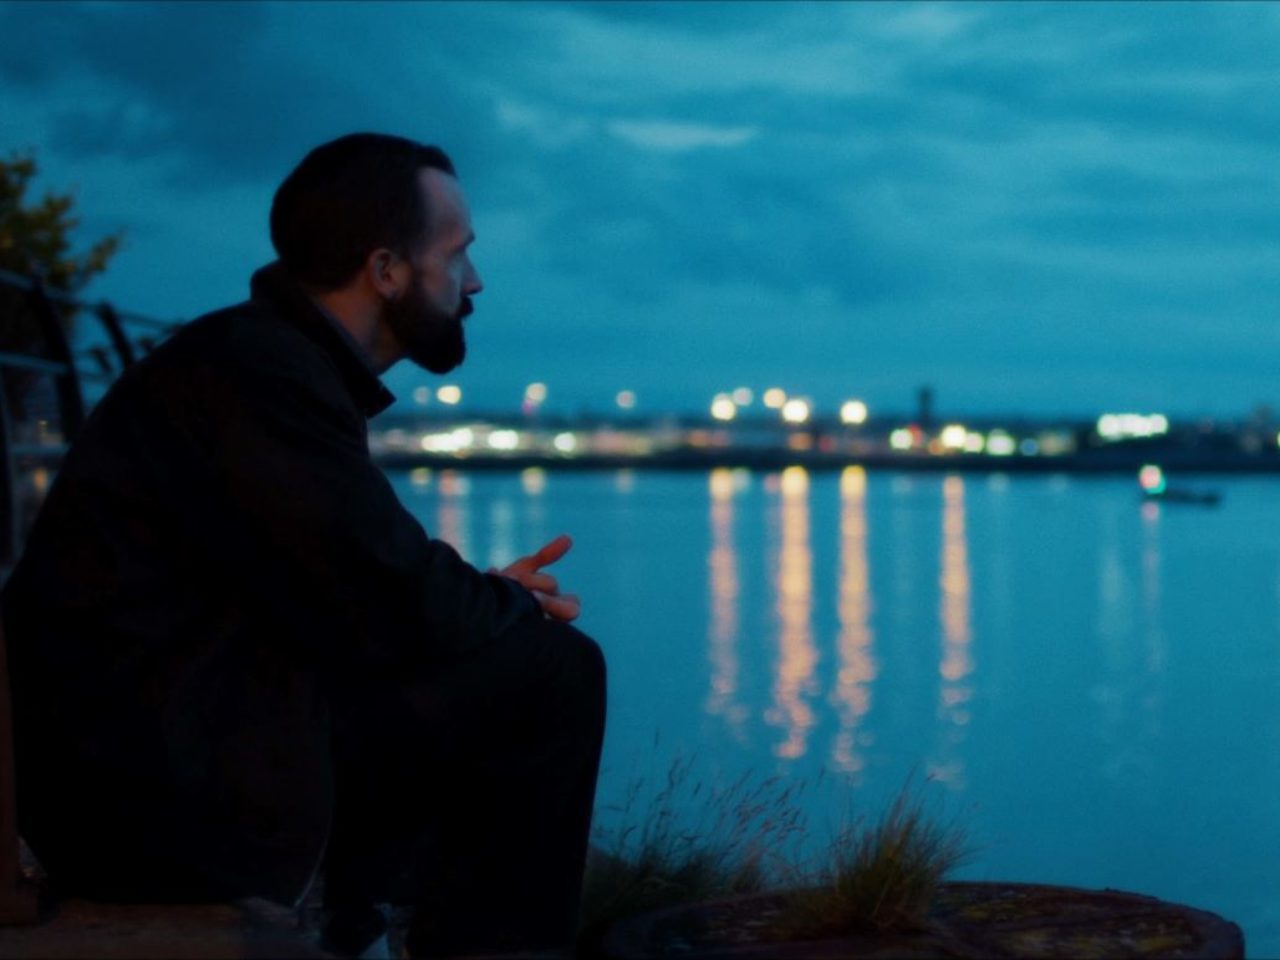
(795, 411)
(535, 392)
(743, 396)
(854, 411)
(795, 482)
(449, 394)
(533, 480)
(722, 408)
(775, 397)
(953, 436)
(565, 442)
(721, 483)
(422, 395)
(626, 399)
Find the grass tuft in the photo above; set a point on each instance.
(690, 842)
(877, 878)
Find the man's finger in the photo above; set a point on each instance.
(553, 551)
(564, 608)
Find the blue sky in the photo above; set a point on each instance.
(1043, 208)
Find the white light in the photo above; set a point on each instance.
(449, 394)
(775, 397)
(953, 436)
(626, 399)
(742, 396)
(535, 392)
(901, 439)
(722, 408)
(565, 442)
(795, 411)
(854, 411)
(1000, 444)
(974, 442)
(450, 442)
(504, 440)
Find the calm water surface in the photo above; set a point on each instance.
(1091, 683)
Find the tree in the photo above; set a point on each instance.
(35, 237)
(36, 240)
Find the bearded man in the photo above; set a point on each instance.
(238, 662)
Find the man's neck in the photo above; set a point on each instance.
(359, 316)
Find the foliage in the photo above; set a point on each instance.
(879, 877)
(35, 236)
(690, 842)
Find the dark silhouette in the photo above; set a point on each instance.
(237, 661)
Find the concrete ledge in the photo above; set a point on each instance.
(80, 928)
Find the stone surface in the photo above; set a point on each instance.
(79, 928)
(967, 920)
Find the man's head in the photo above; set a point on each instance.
(383, 216)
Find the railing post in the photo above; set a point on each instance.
(8, 488)
(70, 399)
(111, 320)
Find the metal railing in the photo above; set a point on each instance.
(42, 388)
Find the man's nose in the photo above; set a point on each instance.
(471, 283)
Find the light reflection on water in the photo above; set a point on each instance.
(1094, 681)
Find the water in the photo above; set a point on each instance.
(1090, 682)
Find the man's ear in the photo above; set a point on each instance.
(386, 272)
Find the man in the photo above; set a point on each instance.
(238, 661)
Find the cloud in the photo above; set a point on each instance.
(916, 187)
(676, 137)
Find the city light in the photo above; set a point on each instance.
(774, 398)
(723, 408)
(504, 440)
(743, 396)
(449, 394)
(422, 396)
(536, 392)
(1151, 479)
(1122, 426)
(795, 411)
(1000, 444)
(565, 442)
(626, 399)
(953, 436)
(902, 439)
(853, 412)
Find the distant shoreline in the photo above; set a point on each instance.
(1096, 462)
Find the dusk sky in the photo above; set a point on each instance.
(1041, 208)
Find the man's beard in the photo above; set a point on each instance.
(431, 338)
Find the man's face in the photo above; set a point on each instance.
(427, 318)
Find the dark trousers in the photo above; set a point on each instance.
(469, 794)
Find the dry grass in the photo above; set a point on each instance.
(689, 842)
(878, 877)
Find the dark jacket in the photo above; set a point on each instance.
(216, 561)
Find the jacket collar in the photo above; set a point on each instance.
(274, 287)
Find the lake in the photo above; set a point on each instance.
(1088, 683)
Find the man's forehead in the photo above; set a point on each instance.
(445, 201)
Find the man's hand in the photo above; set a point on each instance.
(527, 571)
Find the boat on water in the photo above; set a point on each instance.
(1155, 486)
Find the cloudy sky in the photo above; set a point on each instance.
(1044, 208)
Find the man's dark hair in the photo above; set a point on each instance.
(347, 198)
